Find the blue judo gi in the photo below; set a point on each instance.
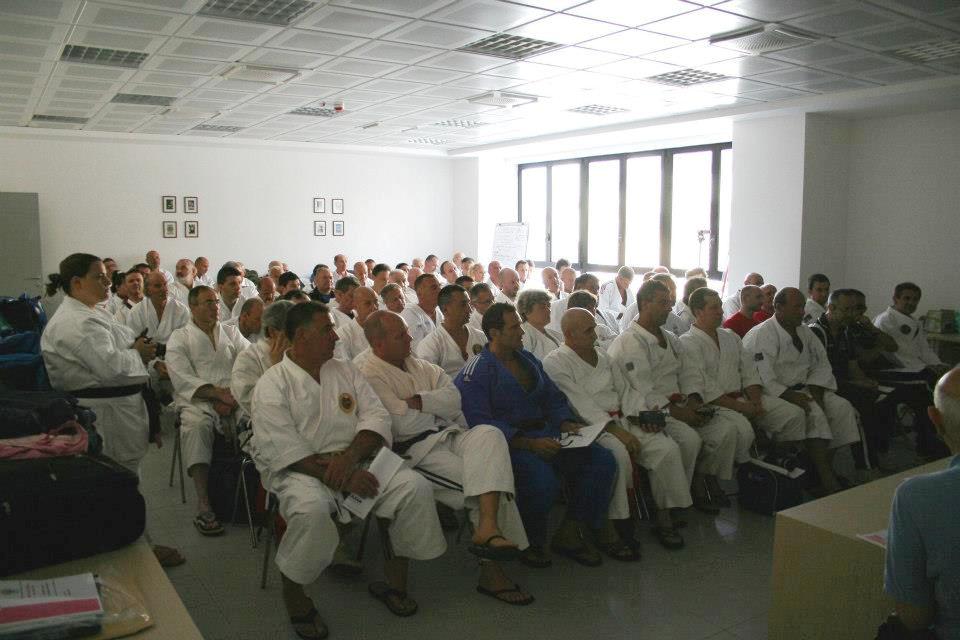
(492, 395)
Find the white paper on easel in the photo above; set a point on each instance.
(584, 437)
(384, 466)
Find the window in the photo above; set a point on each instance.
(669, 207)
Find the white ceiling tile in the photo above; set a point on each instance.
(565, 29)
(393, 86)
(700, 24)
(427, 75)
(287, 59)
(67, 83)
(846, 19)
(453, 93)
(898, 36)
(329, 79)
(816, 53)
(576, 58)
(25, 66)
(461, 61)
(227, 97)
(634, 68)
(156, 90)
(526, 71)
(692, 55)
(735, 86)
(202, 28)
(795, 76)
(203, 49)
(53, 10)
(420, 102)
(365, 96)
(351, 22)
(304, 91)
(34, 51)
(394, 52)
(634, 42)
(906, 74)
(314, 41)
(483, 82)
(32, 31)
(356, 66)
(861, 65)
(204, 105)
(780, 93)
(631, 14)
(183, 65)
(434, 34)
(125, 40)
(745, 66)
(550, 5)
(487, 14)
(840, 84)
(78, 95)
(409, 8)
(106, 16)
(171, 79)
(227, 84)
(273, 99)
(775, 10)
(918, 8)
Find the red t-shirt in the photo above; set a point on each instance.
(739, 324)
(761, 316)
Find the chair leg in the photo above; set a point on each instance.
(183, 490)
(246, 503)
(271, 529)
(176, 449)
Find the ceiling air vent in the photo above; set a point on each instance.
(60, 119)
(503, 45)
(316, 112)
(267, 75)
(928, 52)
(762, 39)
(106, 57)
(686, 77)
(460, 124)
(597, 110)
(276, 12)
(221, 128)
(136, 98)
(428, 141)
(502, 99)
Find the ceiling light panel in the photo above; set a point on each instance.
(700, 24)
(394, 52)
(216, 127)
(314, 112)
(686, 78)
(928, 52)
(631, 14)
(565, 29)
(123, 40)
(105, 57)
(408, 8)
(508, 46)
(143, 99)
(59, 119)
(597, 110)
(100, 15)
(204, 50)
(351, 22)
(273, 12)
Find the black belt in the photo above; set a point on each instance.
(401, 448)
(108, 392)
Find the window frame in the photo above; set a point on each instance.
(666, 205)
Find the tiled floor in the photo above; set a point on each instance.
(717, 587)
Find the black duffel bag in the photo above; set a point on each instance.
(57, 509)
(766, 490)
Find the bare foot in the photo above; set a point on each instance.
(491, 538)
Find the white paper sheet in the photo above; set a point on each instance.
(584, 438)
(878, 538)
(384, 466)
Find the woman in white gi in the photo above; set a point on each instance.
(454, 341)
(90, 355)
(533, 305)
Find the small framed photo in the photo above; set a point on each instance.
(319, 227)
(190, 204)
(319, 205)
(338, 227)
(337, 205)
(168, 204)
(169, 228)
(191, 229)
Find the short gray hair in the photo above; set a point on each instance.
(530, 298)
(275, 316)
(948, 405)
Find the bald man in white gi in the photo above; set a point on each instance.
(467, 467)
(649, 357)
(731, 304)
(254, 361)
(352, 342)
(153, 261)
(318, 423)
(454, 341)
(157, 316)
(424, 316)
(509, 286)
(616, 295)
(200, 358)
(185, 277)
(595, 389)
(793, 365)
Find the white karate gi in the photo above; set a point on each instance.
(504, 298)
(193, 361)
(352, 340)
(167, 276)
(728, 369)
(181, 292)
(419, 323)
(675, 325)
(610, 298)
(339, 318)
(476, 320)
(206, 280)
(494, 289)
(540, 343)
(913, 350)
(812, 310)
(226, 313)
(684, 319)
(629, 315)
(111, 306)
(85, 348)
(247, 288)
(782, 367)
(410, 296)
(143, 315)
(731, 305)
(557, 309)
(248, 368)
(595, 393)
(123, 311)
(653, 375)
(440, 349)
(460, 463)
(294, 417)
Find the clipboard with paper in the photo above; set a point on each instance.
(383, 467)
(584, 437)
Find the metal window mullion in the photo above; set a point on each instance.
(714, 211)
(548, 223)
(622, 237)
(666, 207)
(582, 258)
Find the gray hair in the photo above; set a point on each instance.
(948, 405)
(275, 316)
(530, 298)
(625, 272)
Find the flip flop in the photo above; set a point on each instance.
(489, 552)
(581, 555)
(496, 593)
(168, 556)
(313, 619)
(535, 558)
(620, 550)
(206, 523)
(384, 592)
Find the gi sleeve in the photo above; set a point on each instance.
(183, 375)
(556, 409)
(430, 349)
(633, 362)
(443, 397)
(476, 383)
(821, 373)
(763, 346)
(578, 396)
(905, 574)
(243, 378)
(277, 441)
(749, 376)
(371, 414)
(692, 374)
(108, 364)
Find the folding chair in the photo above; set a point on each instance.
(178, 459)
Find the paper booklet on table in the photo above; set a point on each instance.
(584, 438)
(56, 607)
(384, 466)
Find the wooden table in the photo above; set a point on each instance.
(827, 583)
(170, 617)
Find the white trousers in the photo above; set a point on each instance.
(196, 435)
(838, 418)
(718, 439)
(311, 538)
(663, 459)
(743, 432)
(464, 464)
(124, 425)
(619, 504)
(783, 421)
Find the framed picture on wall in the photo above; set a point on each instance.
(337, 205)
(319, 205)
(191, 229)
(168, 204)
(338, 227)
(319, 227)
(169, 228)
(190, 204)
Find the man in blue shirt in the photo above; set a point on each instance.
(923, 546)
(505, 386)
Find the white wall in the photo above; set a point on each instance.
(904, 207)
(103, 196)
(466, 203)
